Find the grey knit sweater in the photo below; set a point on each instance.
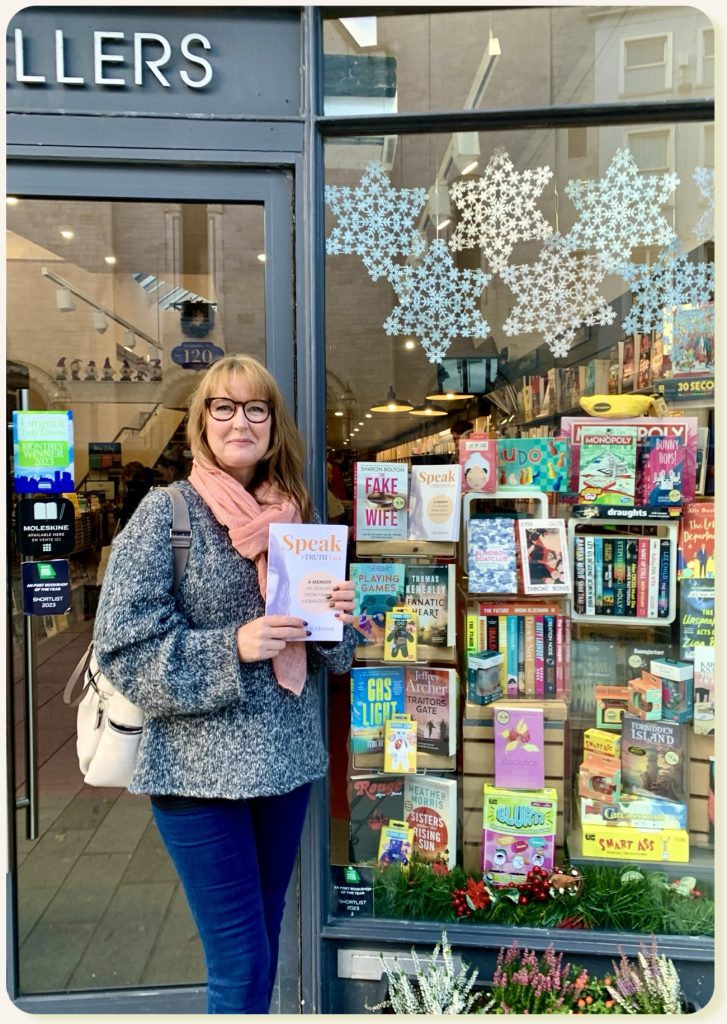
(215, 727)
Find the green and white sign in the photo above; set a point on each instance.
(43, 452)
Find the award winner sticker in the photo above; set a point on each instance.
(671, 757)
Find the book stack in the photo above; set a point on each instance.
(622, 575)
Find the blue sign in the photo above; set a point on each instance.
(196, 355)
(43, 452)
(46, 587)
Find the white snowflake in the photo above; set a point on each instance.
(557, 294)
(620, 210)
(437, 302)
(672, 281)
(375, 221)
(498, 209)
(704, 177)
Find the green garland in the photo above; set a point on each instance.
(620, 898)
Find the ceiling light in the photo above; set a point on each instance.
(64, 302)
(465, 151)
(361, 423)
(368, 416)
(438, 204)
(99, 321)
(493, 46)
(338, 412)
(410, 343)
(129, 339)
(110, 259)
(362, 30)
(392, 404)
(428, 410)
(470, 167)
(66, 234)
(447, 396)
(443, 223)
(261, 257)
(12, 200)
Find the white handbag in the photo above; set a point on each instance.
(108, 726)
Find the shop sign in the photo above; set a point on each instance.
(43, 452)
(46, 527)
(681, 389)
(196, 355)
(353, 891)
(46, 587)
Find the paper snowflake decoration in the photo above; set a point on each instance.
(375, 221)
(498, 209)
(672, 281)
(704, 177)
(557, 294)
(620, 210)
(437, 302)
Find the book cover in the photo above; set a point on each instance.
(434, 504)
(696, 616)
(400, 642)
(381, 500)
(550, 629)
(642, 576)
(688, 350)
(511, 655)
(544, 556)
(540, 463)
(607, 466)
(619, 575)
(430, 809)
(304, 562)
(529, 655)
(664, 593)
(608, 592)
(704, 691)
(539, 656)
(643, 377)
(377, 693)
(580, 574)
(519, 747)
(631, 575)
(429, 590)
(654, 761)
(628, 362)
(491, 556)
(695, 555)
(373, 801)
(662, 469)
(431, 700)
(378, 587)
(400, 744)
(598, 574)
(652, 578)
(702, 459)
(396, 842)
(590, 575)
(478, 459)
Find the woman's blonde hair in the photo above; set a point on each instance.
(283, 463)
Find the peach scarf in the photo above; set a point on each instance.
(247, 517)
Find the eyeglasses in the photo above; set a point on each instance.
(257, 410)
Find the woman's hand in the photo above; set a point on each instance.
(267, 636)
(341, 598)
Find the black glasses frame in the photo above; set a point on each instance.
(243, 405)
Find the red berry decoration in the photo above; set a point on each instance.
(523, 901)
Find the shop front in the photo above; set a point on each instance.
(440, 239)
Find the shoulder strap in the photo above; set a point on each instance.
(75, 676)
(180, 534)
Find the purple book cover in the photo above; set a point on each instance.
(519, 747)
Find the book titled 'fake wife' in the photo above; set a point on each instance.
(305, 561)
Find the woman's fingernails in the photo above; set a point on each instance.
(308, 633)
(328, 597)
(331, 604)
(305, 623)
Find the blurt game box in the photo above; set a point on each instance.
(518, 831)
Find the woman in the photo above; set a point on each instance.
(232, 737)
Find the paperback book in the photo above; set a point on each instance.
(429, 590)
(491, 556)
(431, 700)
(430, 809)
(373, 801)
(695, 558)
(662, 471)
(696, 616)
(653, 758)
(607, 467)
(519, 747)
(304, 562)
(378, 587)
(539, 463)
(544, 556)
(377, 693)
(478, 459)
(435, 502)
(381, 500)
(704, 691)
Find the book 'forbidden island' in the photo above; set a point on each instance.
(519, 747)
(544, 556)
(653, 758)
(373, 801)
(491, 556)
(400, 641)
(380, 498)
(377, 693)
(430, 809)
(607, 466)
(377, 588)
(431, 700)
(539, 463)
(519, 828)
(305, 561)
(478, 459)
(434, 504)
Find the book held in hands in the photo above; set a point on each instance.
(305, 562)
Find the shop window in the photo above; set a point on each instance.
(705, 58)
(646, 65)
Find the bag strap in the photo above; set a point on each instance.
(75, 676)
(180, 534)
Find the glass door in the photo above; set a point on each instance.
(114, 308)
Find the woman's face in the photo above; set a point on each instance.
(237, 444)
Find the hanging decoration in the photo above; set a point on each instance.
(557, 295)
(620, 210)
(704, 178)
(375, 221)
(498, 209)
(437, 302)
(672, 281)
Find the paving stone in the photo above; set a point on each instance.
(53, 857)
(88, 808)
(177, 958)
(88, 889)
(150, 862)
(124, 825)
(49, 956)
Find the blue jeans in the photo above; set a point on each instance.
(235, 859)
